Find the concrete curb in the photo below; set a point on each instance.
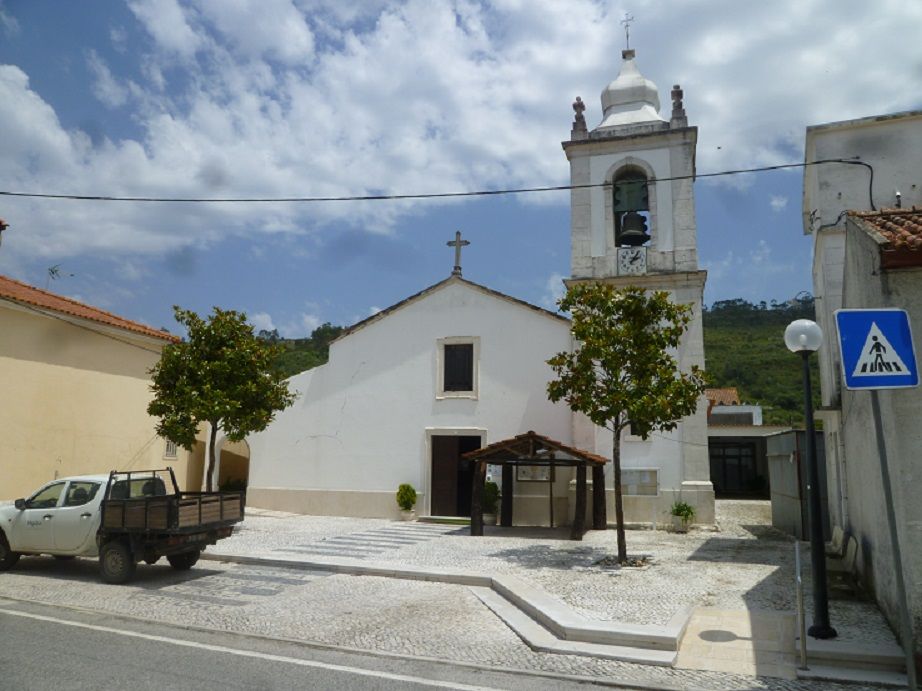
(632, 641)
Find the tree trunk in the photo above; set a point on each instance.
(619, 503)
(211, 456)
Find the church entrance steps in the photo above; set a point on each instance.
(369, 543)
(543, 621)
(444, 520)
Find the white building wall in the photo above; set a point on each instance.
(361, 423)
(867, 287)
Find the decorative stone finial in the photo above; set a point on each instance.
(678, 108)
(579, 131)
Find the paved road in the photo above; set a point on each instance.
(45, 647)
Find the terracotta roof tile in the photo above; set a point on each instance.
(726, 396)
(901, 228)
(25, 294)
(520, 446)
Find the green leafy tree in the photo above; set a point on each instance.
(221, 374)
(622, 372)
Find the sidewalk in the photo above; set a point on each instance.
(735, 585)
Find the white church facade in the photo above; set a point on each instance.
(458, 366)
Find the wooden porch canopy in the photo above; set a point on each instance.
(532, 449)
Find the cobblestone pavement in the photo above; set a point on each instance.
(393, 616)
(747, 564)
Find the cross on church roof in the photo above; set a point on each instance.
(457, 243)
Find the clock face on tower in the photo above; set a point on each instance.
(632, 261)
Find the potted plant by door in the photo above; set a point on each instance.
(682, 515)
(406, 500)
(490, 503)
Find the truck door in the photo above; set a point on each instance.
(77, 517)
(32, 528)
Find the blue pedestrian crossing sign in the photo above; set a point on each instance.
(876, 349)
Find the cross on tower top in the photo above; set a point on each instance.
(626, 23)
(457, 243)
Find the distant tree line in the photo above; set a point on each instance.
(744, 347)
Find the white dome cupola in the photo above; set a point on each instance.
(631, 98)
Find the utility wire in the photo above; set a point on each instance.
(430, 195)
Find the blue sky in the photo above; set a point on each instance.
(278, 98)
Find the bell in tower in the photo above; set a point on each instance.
(629, 198)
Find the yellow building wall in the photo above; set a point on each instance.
(74, 401)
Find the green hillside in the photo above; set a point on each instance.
(744, 347)
(743, 343)
(300, 354)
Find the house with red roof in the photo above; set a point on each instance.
(75, 389)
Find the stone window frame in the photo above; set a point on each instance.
(613, 171)
(440, 392)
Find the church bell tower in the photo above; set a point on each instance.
(632, 222)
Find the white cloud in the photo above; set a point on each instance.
(778, 202)
(751, 275)
(166, 21)
(309, 97)
(105, 88)
(272, 28)
(373, 310)
(8, 23)
(554, 289)
(131, 271)
(300, 327)
(261, 321)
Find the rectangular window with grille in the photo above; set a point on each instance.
(457, 367)
(169, 450)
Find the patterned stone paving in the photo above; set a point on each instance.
(745, 564)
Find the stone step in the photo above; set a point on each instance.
(540, 639)
(851, 654)
(560, 619)
(854, 675)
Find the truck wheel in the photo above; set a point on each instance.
(116, 564)
(8, 558)
(184, 561)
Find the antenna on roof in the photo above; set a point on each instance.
(54, 273)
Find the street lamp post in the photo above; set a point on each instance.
(804, 336)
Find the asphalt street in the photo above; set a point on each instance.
(43, 647)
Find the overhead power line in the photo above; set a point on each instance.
(426, 195)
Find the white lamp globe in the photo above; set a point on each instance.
(803, 334)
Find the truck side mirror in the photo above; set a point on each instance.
(20, 504)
